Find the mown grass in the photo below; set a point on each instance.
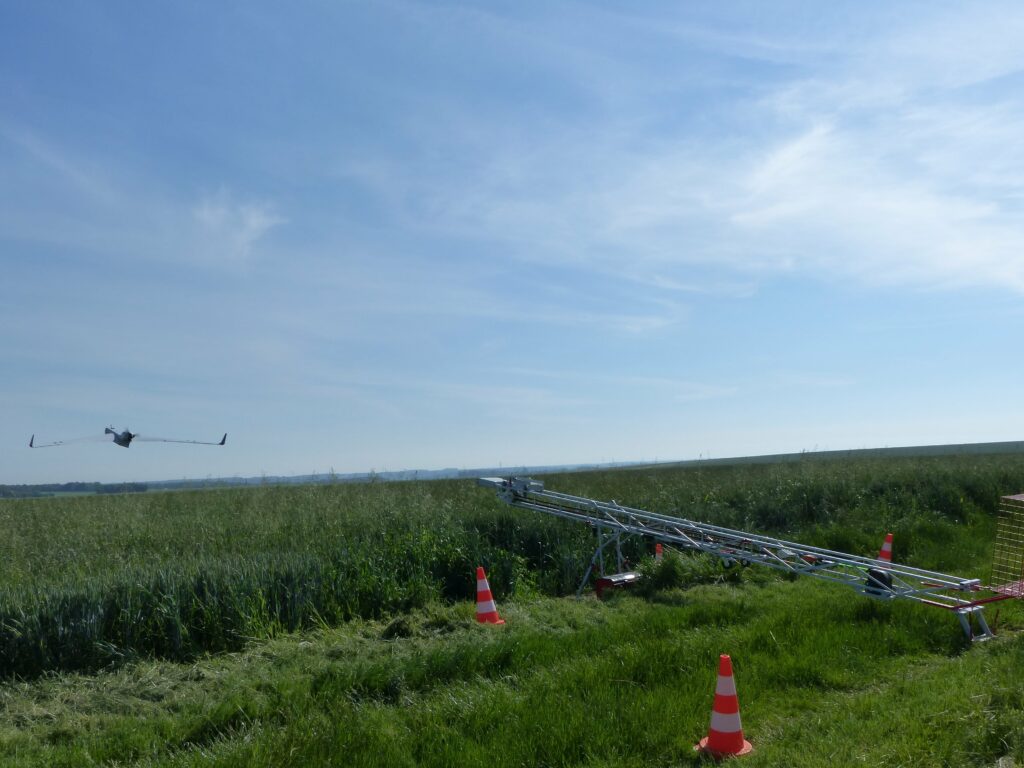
(89, 582)
(628, 682)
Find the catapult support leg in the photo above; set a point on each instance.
(984, 633)
(598, 558)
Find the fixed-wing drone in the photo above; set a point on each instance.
(123, 438)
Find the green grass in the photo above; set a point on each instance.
(93, 581)
(628, 682)
(332, 625)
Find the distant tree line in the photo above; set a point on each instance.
(51, 489)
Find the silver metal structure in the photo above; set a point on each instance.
(868, 576)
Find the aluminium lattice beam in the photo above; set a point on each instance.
(868, 576)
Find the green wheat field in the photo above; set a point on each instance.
(334, 625)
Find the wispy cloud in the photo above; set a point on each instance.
(888, 165)
(958, 46)
(110, 208)
(229, 229)
(855, 202)
(78, 174)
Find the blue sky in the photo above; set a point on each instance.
(403, 235)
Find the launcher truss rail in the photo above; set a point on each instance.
(868, 576)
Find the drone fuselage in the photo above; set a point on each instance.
(123, 439)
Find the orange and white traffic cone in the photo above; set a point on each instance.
(486, 611)
(725, 737)
(657, 552)
(885, 554)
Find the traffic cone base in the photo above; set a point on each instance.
(702, 746)
(486, 610)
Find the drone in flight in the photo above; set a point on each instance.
(123, 438)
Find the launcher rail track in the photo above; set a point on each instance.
(868, 576)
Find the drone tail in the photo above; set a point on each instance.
(223, 439)
(33, 439)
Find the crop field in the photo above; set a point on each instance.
(333, 625)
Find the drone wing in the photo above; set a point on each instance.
(91, 439)
(144, 439)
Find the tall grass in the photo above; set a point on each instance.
(92, 581)
(87, 582)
